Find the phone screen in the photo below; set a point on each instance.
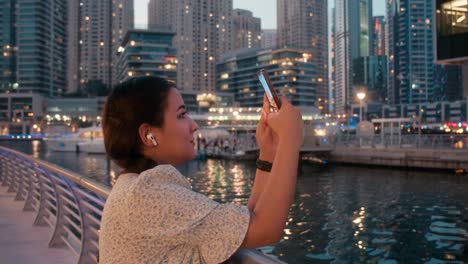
(270, 93)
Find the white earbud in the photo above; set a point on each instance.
(150, 137)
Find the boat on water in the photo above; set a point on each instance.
(93, 146)
(70, 142)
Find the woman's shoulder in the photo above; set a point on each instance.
(163, 174)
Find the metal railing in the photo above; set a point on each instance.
(70, 204)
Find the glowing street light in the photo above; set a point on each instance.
(360, 96)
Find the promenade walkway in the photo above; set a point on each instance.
(20, 241)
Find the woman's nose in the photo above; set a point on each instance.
(194, 126)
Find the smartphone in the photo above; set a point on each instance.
(271, 94)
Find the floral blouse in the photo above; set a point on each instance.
(155, 217)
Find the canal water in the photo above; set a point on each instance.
(341, 214)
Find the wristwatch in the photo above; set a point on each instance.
(264, 165)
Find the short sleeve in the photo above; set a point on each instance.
(221, 232)
(176, 215)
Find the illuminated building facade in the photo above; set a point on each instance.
(379, 39)
(203, 34)
(269, 38)
(147, 53)
(292, 73)
(452, 38)
(33, 43)
(353, 40)
(96, 29)
(303, 24)
(7, 45)
(246, 29)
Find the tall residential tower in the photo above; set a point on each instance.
(246, 30)
(96, 29)
(203, 34)
(353, 41)
(303, 24)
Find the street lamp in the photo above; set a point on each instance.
(360, 96)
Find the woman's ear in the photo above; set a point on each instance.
(147, 137)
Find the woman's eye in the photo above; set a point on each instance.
(183, 115)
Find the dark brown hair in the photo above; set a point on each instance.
(131, 103)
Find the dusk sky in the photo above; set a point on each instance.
(265, 9)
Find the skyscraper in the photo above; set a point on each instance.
(269, 38)
(8, 45)
(303, 24)
(378, 38)
(96, 30)
(246, 30)
(160, 14)
(353, 40)
(416, 51)
(33, 46)
(392, 46)
(203, 33)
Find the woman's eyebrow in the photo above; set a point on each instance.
(181, 107)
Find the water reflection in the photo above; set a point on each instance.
(340, 215)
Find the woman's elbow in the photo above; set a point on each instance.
(262, 234)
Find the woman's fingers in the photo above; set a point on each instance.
(266, 104)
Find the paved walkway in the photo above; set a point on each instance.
(20, 241)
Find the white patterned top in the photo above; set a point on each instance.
(155, 217)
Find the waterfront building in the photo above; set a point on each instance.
(203, 34)
(246, 29)
(19, 112)
(427, 112)
(451, 38)
(33, 43)
(96, 30)
(65, 110)
(303, 24)
(201, 102)
(291, 71)
(268, 38)
(353, 40)
(147, 53)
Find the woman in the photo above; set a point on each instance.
(153, 216)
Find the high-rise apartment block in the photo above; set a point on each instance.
(269, 38)
(203, 34)
(291, 72)
(414, 75)
(33, 46)
(96, 30)
(7, 45)
(379, 38)
(303, 24)
(147, 53)
(353, 40)
(247, 31)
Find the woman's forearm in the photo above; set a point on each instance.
(271, 207)
(260, 181)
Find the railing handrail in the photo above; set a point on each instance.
(71, 204)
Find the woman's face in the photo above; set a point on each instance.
(176, 141)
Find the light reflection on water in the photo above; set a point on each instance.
(340, 215)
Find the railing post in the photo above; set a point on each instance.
(56, 240)
(21, 176)
(41, 212)
(32, 179)
(11, 175)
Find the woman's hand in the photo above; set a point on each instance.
(266, 139)
(287, 124)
